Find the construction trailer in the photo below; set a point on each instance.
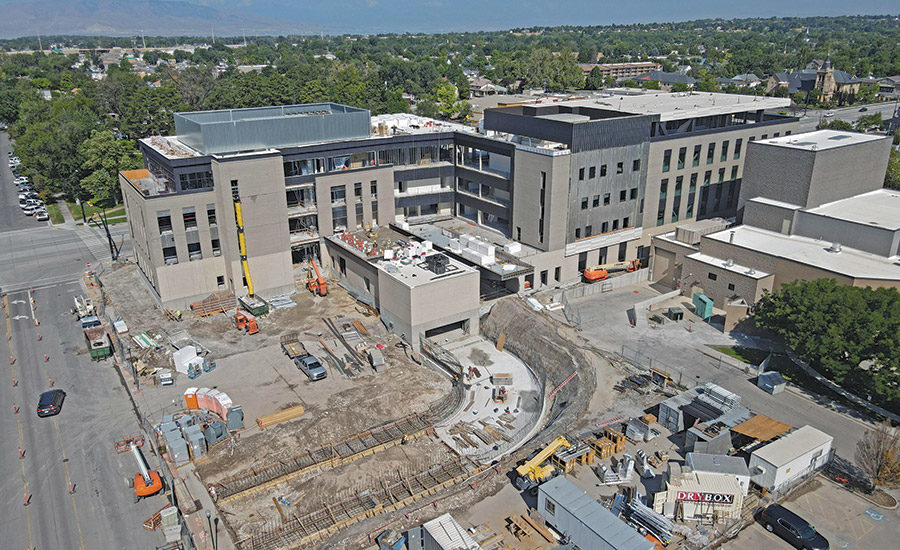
(583, 521)
(784, 461)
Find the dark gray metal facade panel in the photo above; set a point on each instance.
(477, 176)
(485, 144)
(483, 205)
(422, 200)
(423, 172)
(511, 122)
(765, 124)
(617, 132)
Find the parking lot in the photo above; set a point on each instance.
(845, 519)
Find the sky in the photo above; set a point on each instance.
(374, 16)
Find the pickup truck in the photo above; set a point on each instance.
(305, 361)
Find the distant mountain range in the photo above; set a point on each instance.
(131, 17)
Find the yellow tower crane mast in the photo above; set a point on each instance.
(242, 243)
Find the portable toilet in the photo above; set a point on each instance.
(190, 398)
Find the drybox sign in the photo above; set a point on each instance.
(715, 498)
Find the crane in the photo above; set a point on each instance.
(532, 472)
(146, 481)
(316, 284)
(242, 244)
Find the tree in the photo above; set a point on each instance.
(878, 455)
(448, 103)
(104, 157)
(650, 85)
(427, 107)
(680, 87)
(594, 80)
(892, 176)
(841, 125)
(865, 122)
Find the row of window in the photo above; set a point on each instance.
(170, 253)
(712, 277)
(188, 216)
(605, 227)
(679, 182)
(398, 157)
(724, 153)
(620, 169)
(624, 195)
(339, 192)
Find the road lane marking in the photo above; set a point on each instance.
(12, 368)
(69, 482)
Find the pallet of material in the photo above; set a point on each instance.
(281, 416)
(218, 302)
(541, 530)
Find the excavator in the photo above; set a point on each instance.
(146, 481)
(601, 272)
(533, 472)
(316, 284)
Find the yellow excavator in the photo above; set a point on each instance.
(534, 472)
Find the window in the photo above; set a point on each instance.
(711, 153)
(620, 168)
(604, 227)
(776, 134)
(596, 201)
(581, 174)
(605, 199)
(373, 188)
(190, 217)
(678, 182)
(220, 281)
(667, 160)
(632, 194)
(712, 276)
(584, 203)
(588, 230)
(623, 248)
(721, 175)
(724, 155)
(592, 172)
(211, 214)
(661, 212)
(737, 148)
(682, 153)
(518, 233)
(693, 184)
(663, 188)
(623, 195)
(196, 180)
(194, 251)
(707, 177)
(582, 261)
(375, 209)
(303, 167)
(602, 170)
(636, 165)
(557, 274)
(164, 220)
(615, 224)
(764, 136)
(170, 256)
(696, 160)
(216, 249)
(577, 232)
(549, 507)
(734, 170)
(544, 277)
(730, 286)
(338, 193)
(357, 190)
(625, 221)
(339, 218)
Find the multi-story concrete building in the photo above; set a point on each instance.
(620, 70)
(550, 189)
(812, 206)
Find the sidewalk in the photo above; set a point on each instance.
(67, 216)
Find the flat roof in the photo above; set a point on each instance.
(773, 202)
(680, 105)
(706, 482)
(722, 464)
(820, 140)
(762, 428)
(410, 124)
(879, 208)
(448, 533)
(793, 445)
(742, 270)
(268, 113)
(169, 147)
(813, 252)
(594, 517)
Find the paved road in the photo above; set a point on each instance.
(75, 447)
(848, 114)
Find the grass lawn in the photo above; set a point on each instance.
(54, 212)
(117, 211)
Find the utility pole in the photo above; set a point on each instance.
(99, 220)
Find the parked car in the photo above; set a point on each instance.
(50, 402)
(23, 202)
(311, 367)
(829, 114)
(792, 528)
(31, 209)
(41, 215)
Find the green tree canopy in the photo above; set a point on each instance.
(104, 157)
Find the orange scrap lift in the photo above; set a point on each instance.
(146, 481)
(316, 284)
(601, 272)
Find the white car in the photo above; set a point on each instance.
(31, 209)
(22, 179)
(41, 215)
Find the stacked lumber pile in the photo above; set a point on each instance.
(281, 416)
(218, 302)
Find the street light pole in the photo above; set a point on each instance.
(209, 525)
